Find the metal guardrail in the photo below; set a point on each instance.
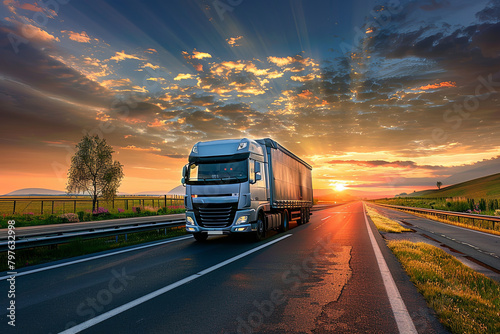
(445, 214)
(89, 233)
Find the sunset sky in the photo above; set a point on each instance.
(384, 97)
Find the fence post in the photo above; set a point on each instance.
(126, 204)
(165, 198)
(14, 208)
(142, 202)
(113, 202)
(97, 204)
(41, 208)
(52, 207)
(74, 206)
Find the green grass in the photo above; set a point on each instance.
(78, 247)
(485, 187)
(465, 301)
(23, 220)
(383, 223)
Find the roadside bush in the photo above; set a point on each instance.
(81, 215)
(69, 218)
(101, 212)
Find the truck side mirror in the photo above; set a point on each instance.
(258, 176)
(257, 166)
(184, 175)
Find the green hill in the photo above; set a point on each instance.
(484, 187)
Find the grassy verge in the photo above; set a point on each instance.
(23, 220)
(383, 223)
(466, 301)
(39, 255)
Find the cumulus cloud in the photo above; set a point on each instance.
(183, 76)
(119, 56)
(80, 37)
(233, 41)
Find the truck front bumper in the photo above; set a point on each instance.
(234, 228)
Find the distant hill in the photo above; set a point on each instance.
(483, 187)
(36, 192)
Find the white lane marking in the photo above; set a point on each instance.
(403, 319)
(325, 218)
(149, 296)
(94, 257)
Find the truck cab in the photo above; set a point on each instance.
(228, 189)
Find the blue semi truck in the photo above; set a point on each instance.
(245, 186)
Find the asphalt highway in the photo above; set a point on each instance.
(484, 247)
(332, 275)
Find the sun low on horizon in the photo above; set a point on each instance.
(379, 97)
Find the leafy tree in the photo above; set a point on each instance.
(439, 184)
(93, 170)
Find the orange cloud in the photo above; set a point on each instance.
(156, 124)
(81, 37)
(437, 85)
(304, 78)
(116, 83)
(183, 76)
(144, 149)
(119, 56)
(201, 55)
(232, 41)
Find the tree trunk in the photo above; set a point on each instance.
(94, 201)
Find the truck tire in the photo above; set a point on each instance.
(284, 222)
(200, 237)
(260, 234)
(308, 215)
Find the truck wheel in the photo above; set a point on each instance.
(260, 234)
(307, 215)
(200, 237)
(284, 222)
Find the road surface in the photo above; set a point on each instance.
(483, 247)
(322, 277)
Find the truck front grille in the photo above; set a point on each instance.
(215, 215)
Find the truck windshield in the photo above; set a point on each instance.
(218, 172)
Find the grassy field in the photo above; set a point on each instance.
(487, 187)
(465, 301)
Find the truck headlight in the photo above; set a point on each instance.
(189, 221)
(242, 220)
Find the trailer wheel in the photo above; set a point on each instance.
(308, 215)
(200, 237)
(284, 222)
(260, 234)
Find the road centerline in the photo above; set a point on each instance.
(100, 318)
